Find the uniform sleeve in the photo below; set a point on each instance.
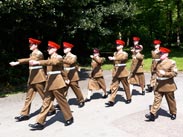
(24, 60)
(70, 61)
(172, 71)
(98, 60)
(50, 62)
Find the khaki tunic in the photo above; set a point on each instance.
(137, 70)
(71, 71)
(119, 74)
(165, 85)
(55, 88)
(96, 80)
(36, 81)
(155, 59)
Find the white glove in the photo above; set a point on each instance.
(162, 72)
(13, 63)
(91, 56)
(111, 58)
(67, 81)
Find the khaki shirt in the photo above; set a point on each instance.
(96, 67)
(70, 67)
(120, 71)
(54, 81)
(167, 85)
(35, 75)
(137, 63)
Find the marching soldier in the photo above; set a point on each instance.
(137, 72)
(70, 69)
(119, 73)
(55, 87)
(96, 80)
(36, 80)
(166, 70)
(155, 58)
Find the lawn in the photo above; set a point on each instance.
(147, 64)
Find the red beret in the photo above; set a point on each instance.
(138, 47)
(95, 50)
(156, 42)
(164, 50)
(67, 45)
(34, 41)
(53, 44)
(120, 42)
(136, 38)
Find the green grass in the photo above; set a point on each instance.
(147, 64)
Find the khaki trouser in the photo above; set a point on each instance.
(138, 79)
(59, 94)
(76, 89)
(158, 99)
(115, 85)
(32, 89)
(153, 79)
(96, 84)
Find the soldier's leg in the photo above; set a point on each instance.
(40, 89)
(155, 107)
(47, 104)
(126, 87)
(91, 87)
(102, 84)
(29, 97)
(157, 102)
(75, 87)
(152, 82)
(114, 89)
(171, 104)
(141, 77)
(63, 103)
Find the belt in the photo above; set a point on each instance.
(53, 72)
(35, 67)
(156, 59)
(69, 68)
(162, 78)
(120, 65)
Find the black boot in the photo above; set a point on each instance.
(128, 101)
(57, 107)
(150, 89)
(105, 95)
(143, 93)
(109, 104)
(173, 116)
(51, 113)
(36, 126)
(81, 104)
(150, 117)
(69, 122)
(21, 118)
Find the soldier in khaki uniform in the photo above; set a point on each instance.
(119, 73)
(70, 69)
(155, 58)
(166, 70)
(36, 80)
(137, 72)
(96, 80)
(55, 87)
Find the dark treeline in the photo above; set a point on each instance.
(86, 24)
